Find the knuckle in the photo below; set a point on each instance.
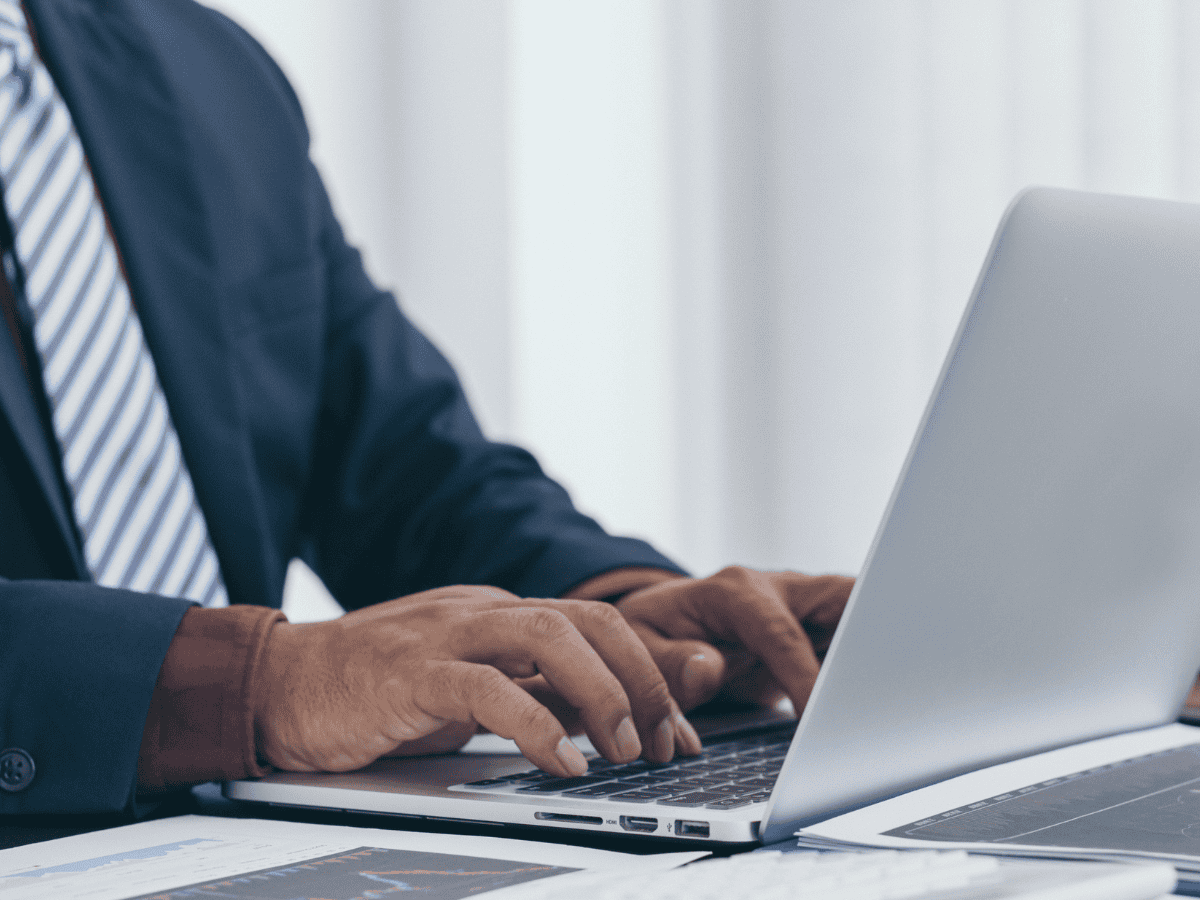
(486, 685)
(602, 616)
(734, 575)
(543, 624)
(654, 695)
(611, 694)
(734, 588)
(531, 718)
(493, 593)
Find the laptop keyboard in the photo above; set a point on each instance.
(725, 775)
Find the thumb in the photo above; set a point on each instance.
(694, 670)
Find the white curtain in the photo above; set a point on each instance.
(704, 257)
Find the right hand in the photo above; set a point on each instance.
(422, 672)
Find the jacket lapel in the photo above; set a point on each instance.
(18, 405)
(128, 118)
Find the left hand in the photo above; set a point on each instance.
(748, 635)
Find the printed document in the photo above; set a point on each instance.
(1134, 795)
(199, 856)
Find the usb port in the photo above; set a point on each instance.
(639, 823)
(690, 828)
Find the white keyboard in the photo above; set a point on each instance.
(882, 875)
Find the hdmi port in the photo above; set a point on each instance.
(639, 823)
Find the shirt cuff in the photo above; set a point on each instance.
(201, 721)
(612, 586)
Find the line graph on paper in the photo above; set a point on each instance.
(1147, 803)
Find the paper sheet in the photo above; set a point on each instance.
(1134, 794)
(173, 858)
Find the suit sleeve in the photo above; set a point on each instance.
(78, 664)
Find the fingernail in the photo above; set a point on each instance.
(664, 740)
(692, 675)
(570, 757)
(685, 736)
(628, 745)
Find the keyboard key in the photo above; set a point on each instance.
(597, 790)
(599, 763)
(730, 803)
(705, 766)
(682, 787)
(629, 768)
(648, 778)
(697, 798)
(762, 767)
(555, 785)
(647, 795)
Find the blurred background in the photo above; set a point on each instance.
(705, 257)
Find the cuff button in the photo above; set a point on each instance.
(16, 769)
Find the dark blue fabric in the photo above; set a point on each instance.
(314, 418)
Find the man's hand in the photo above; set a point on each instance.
(420, 673)
(748, 635)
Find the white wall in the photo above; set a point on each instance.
(705, 256)
(593, 336)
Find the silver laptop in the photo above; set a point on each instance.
(1035, 581)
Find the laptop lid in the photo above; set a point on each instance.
(1036, 577)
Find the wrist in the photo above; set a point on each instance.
(200, 725)
(268, 689)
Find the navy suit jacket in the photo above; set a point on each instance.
(314, 419)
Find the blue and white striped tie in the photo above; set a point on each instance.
(132, 494)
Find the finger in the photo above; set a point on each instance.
(757, 687)
(523, 641)
(742, 606)
(768, 629)
(465, 691)
(818, 602)
(567, 715)
(694, 670)
(626, 656)
(687, 741)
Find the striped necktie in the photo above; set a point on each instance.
(131, 492)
